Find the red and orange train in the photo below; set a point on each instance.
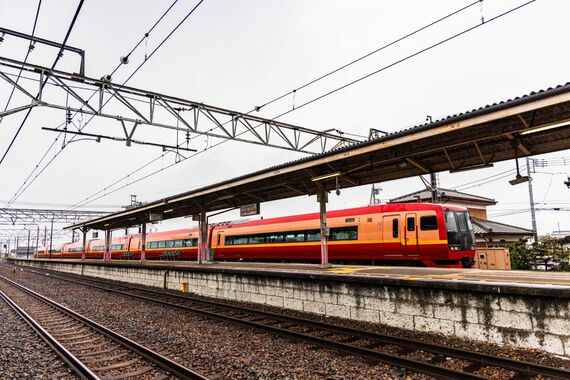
(420, 234)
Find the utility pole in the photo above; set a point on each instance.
(531, 200)
(433, 181)
(374, 200)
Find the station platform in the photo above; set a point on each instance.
(511, 281)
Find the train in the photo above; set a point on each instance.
(411, 234)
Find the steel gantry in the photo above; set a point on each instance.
(133, 108)
(23, 216)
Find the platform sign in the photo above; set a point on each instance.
(250, 209)
(154, 217)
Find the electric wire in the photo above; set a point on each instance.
(59, 55)
(478, 181)
(30, 48)
(320, 97)
(397, 40)
(146, 35)
(26, 184)
(311, 82)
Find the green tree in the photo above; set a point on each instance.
(522, 258)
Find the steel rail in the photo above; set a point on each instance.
(411, 364)
(531, 369)
(152, 356)
(76, 365)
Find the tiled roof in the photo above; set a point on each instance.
(444, 194)
(534, 95)
(484, 226)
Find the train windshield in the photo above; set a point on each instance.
(459, 230)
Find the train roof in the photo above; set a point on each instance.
(349, 212)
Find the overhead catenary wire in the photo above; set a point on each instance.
(57, 58)
(497, 17)
(30, 48)
(17, 194)
(26, 184)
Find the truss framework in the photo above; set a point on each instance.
(133, 108)
(22, 216)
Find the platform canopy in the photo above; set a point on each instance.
(529, 125)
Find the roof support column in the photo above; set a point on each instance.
(322, 198)
(202, 238)
(50, 238)
(143, 241)
(107, 253)
(84, 250)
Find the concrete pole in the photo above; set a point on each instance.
(531, 200)
(143, 242)
(433, 180)
(84, 250)
(322, 198)
(16, 247)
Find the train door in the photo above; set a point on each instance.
(411, 235)
(392, 236)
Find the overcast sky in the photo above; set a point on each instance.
(239, 54)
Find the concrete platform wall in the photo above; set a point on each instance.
(521, 320)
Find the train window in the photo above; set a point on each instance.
(344, 233)
(313, 235)
(274, 237)
(257, 239)
(349, 220)
(462, 219)
(178, 243)
(411, 223)
(236, 240)
(450, 221)
(188, 242)
(169, 243)
(428, 223)
(395, 227)
(99, 248)
(295, 236)
(161, 244)
(153, 244)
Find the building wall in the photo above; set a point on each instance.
(477, 212)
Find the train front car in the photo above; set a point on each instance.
(414, 234)
(460, 237)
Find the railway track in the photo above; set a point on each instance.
(90, 349)
(371, 346)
